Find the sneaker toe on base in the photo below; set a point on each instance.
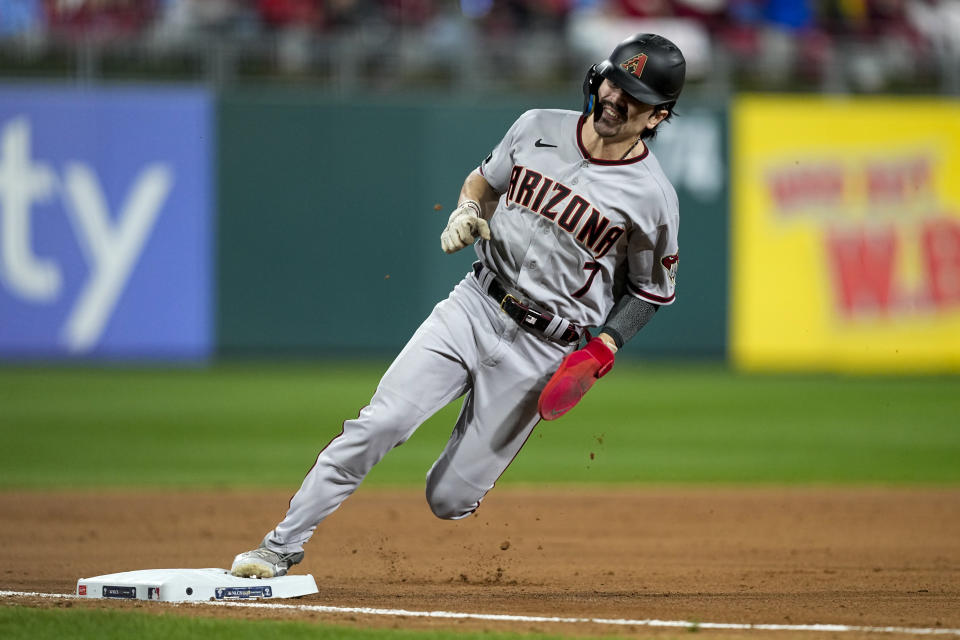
(247, 567)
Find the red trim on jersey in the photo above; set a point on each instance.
(587, 156)
(652, 297)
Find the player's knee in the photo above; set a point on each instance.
(449, 504)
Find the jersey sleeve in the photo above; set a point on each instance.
(497, 166)
(652, 260)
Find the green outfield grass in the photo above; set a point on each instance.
(22, 623)
(262, 425)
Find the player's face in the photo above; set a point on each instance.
(621, 116)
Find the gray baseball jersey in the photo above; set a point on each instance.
(570, 232)
(574, 233)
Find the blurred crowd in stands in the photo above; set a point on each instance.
(861, 45)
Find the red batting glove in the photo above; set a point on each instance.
(573, 379)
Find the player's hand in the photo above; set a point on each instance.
(574, 378)
(463, 227)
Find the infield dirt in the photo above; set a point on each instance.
(874, 557)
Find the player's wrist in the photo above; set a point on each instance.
(609, 342)
(465, 207)
(472, 205)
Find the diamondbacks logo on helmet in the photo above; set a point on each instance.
(635, 64)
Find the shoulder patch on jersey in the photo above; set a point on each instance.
(670, 264)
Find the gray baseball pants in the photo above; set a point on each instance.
(466, 346)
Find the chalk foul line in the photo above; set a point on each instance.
(498, 617)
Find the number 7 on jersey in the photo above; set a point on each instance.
(594, 269)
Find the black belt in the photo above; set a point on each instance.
(540, 322)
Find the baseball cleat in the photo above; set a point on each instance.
(263, 563)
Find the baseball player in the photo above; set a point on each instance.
(575, 227)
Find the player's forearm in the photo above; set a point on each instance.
(628, 316)
(476, 188)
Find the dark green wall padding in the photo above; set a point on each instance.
(328, 237)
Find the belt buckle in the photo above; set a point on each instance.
(509, 297)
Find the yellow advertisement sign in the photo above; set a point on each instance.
(845, 239)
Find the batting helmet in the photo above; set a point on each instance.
(647, 66)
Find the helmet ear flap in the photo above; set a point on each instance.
(591, 83)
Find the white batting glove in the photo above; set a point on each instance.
(463, 227)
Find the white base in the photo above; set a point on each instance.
(186, 585)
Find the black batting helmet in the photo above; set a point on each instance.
(647, 66)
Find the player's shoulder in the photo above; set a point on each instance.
(536, 118)
(553, 114)
(544, 123)
(658, 185)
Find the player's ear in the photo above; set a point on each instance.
(657, 115)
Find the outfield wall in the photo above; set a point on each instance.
(329, 227)
(175, 225)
